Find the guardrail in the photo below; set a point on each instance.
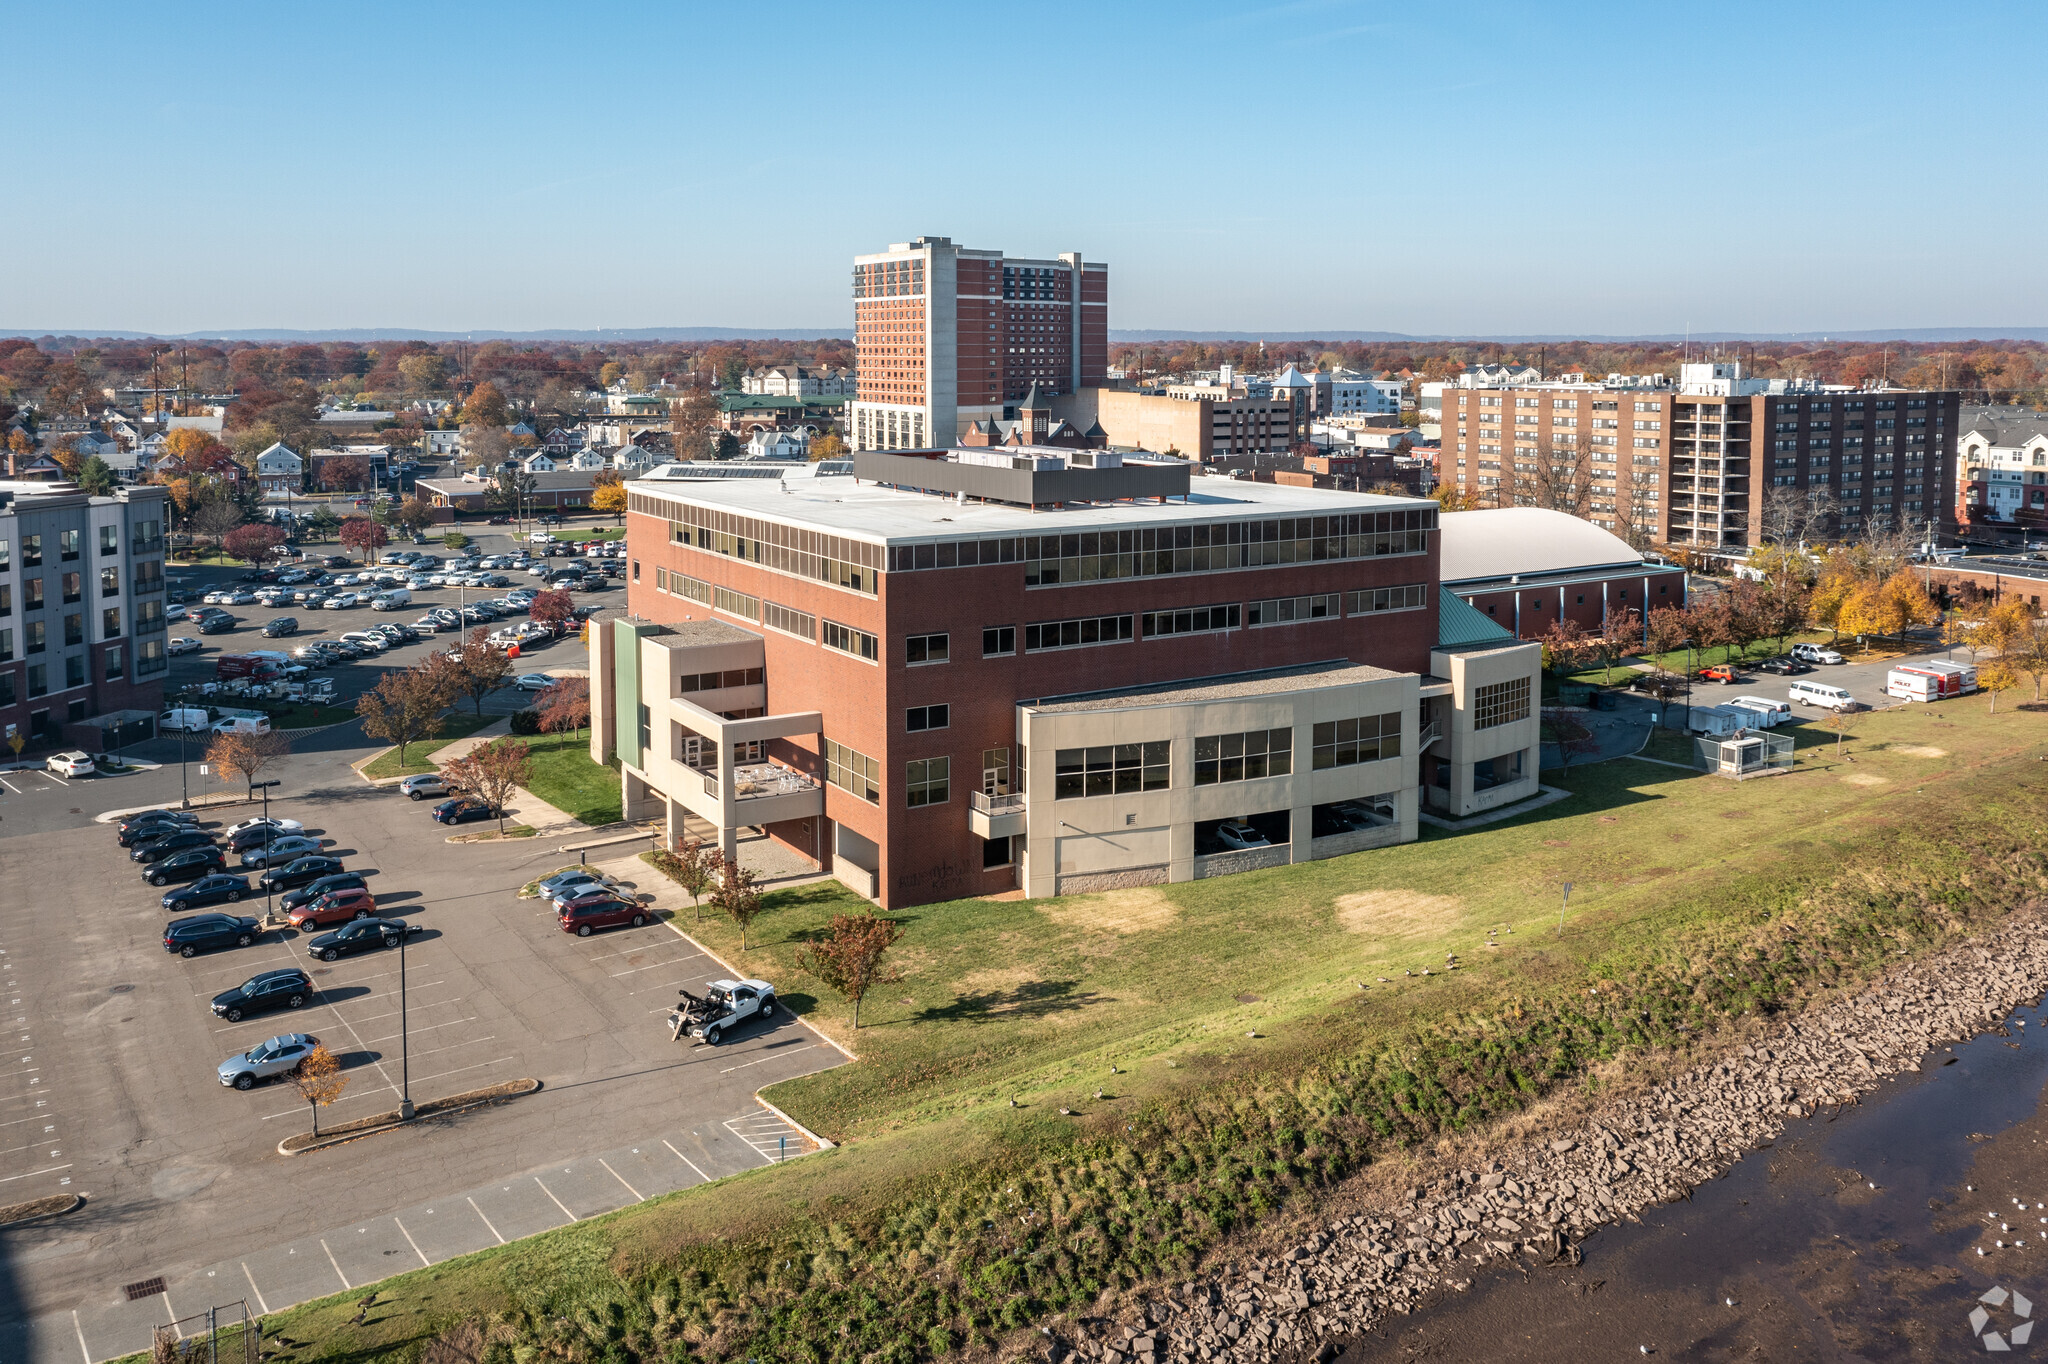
(1007, 803)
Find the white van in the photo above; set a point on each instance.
(241, 724)
(188, 718)
(1769, 712)
(391, 599)
(1822, 695)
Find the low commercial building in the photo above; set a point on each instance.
(81, 611)
(1525, 568)
(951, 673)
(564, 490)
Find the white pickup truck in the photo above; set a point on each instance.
(726, 1005)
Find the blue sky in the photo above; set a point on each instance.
(1460, 168)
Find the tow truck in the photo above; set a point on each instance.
(722, 1007)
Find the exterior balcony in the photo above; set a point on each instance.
(766, 793)
(995, 816)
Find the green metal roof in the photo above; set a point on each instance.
(1460, 625)
(742, 402)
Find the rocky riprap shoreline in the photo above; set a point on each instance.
(1537, 1200)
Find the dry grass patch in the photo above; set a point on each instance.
(1865, 779)
(1138, 910)
(1400, 912)
(1916, 750)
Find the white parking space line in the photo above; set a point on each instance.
(17, 791)
(637, 1195)
(429, 1028)
(32, 1173)
(763, 1060)
(557, 1202)
(487, 1222)
(254, 1289)
(665, 985)
(685, 1160)
(655, 966)
(81, 1336)
(414, 1244)
(337, 1266)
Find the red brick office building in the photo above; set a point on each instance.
(949, 336)
(955, 673)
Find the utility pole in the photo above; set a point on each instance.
(405, 1039)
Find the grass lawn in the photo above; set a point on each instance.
(454, 725)
(565, 777)
(1267, 1039)
(592, 533)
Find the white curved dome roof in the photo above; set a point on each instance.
(1500, 542)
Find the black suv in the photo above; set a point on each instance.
(203, 932)
(299, 871)
(313, 890)
(149, 830)
(286, 989)
(210, 889)
(282, 625)
(360, 936)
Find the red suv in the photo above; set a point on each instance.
(588, 913)
(335, 907)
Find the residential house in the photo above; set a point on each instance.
(778, 445)
(539, 462)
(280, 470)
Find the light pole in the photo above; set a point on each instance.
(184, 782)
(404, 1039)
(269, 837)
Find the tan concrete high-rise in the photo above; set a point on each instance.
(947, 335)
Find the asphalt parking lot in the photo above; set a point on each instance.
(1864, 681)
(116, 1076)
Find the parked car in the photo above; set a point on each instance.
(275, 823)
(216, 625)
(204, 932)
(141, 830)
(278, 851)
(340, 601)
(360, 936)
(313, 890)
(1784, 667)
(72, 764)
(462, 810)
(424, 785)
(1814, 653)
(549, 885)
(1720, 672)
(242, 724)
(535, 682)
(1235, 833)
(176, 610)
(179, 644)
(176, 841)
(267, 1060)
(334, 907)
(282, 625)
(212, 889)
(299, 871)
(584, 917)
(184, 865)
(288, 988)
(723, 1007)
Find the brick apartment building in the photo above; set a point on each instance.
(1196, 421)
(946, 336)
(81, 613)
(1713, 459)
(950, 673)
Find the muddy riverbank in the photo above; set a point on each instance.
(1835, 1222)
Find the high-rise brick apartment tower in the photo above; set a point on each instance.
(947, 336)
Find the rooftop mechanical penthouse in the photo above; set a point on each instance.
(948, 673)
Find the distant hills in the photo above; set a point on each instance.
(1146, 336)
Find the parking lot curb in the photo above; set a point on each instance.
(456, 1104)
(54, 1206)
(198, 803)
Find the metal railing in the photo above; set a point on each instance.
(1009, 803)
(758, 781)
(146, 546)
(1431, 732)
(146, 666)
(152, 583)
(149, 625)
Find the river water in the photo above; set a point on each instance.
(1852, 1237)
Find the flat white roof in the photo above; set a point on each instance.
(882, 515)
